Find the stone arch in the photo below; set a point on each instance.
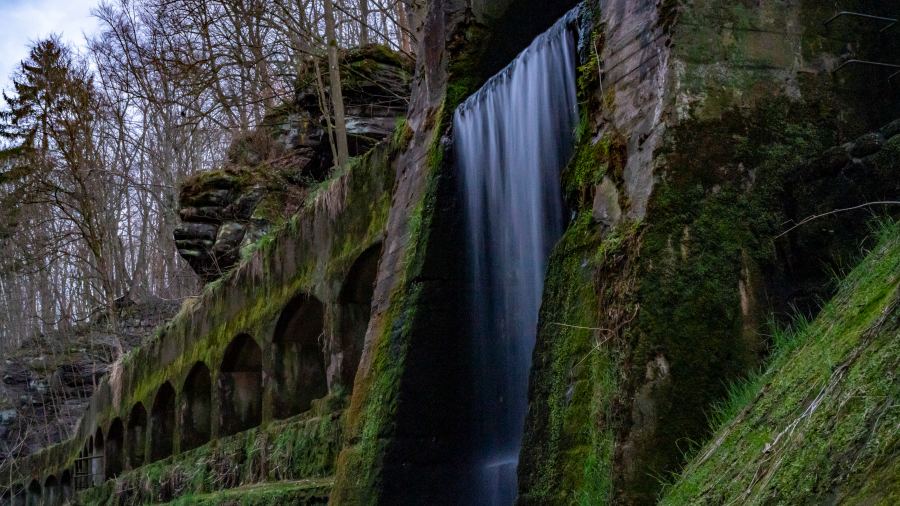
(52, 492)
(355, 306)
(162, 423)
(114, 452)
(83, 465)
(65, 485)
(240, 386)
(298, 357)
(196, 412)
(97, 457)
(18, 495)
(34, 496)
(137, 436)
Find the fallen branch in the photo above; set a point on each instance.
(836, 211)
(577, 326)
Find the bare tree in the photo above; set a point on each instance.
(334, 78)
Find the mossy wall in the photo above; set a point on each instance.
(311, 254)
(302, 448)
(698, 146)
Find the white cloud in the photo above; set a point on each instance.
(25, 21)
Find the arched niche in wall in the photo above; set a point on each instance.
(97, 457)
(52, 491)
(115, 449)
(83, 465)
(162, 423)
(65, 485)
(18, 495)
(355, 306)
(196, 410)
(240, 386)
(298, 358)
(136, 435)
(34, 497)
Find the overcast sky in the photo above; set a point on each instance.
(24, 21)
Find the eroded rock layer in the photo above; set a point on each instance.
(270, 170)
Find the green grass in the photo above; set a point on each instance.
(741, 393)
(818, 425)
(264, 494)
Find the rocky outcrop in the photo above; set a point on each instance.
(49, 379)
(272, 169)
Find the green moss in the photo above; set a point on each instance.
(300, 448)
(464, 68)
(303, 493)
(820, 427)
(402, 134)
(708, 225)
(262, 243)
(570, 434)
(592, 161)
(577, 380)
(376, 53)
(372, 416)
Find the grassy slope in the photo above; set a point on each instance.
(820, 424)
(304, 492)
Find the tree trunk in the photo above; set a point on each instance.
(337, 96)
(364, 22)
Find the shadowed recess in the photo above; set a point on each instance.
(355, 305)
(196, 420)
(240, 386)
(34, 494)
(52, 492)
(65, 484)
(137, 436)
(115, 449)
(162, 423)
(98, 455)
(299, 360)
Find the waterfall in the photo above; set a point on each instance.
(512, 138)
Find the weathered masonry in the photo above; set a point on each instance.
(272, 348)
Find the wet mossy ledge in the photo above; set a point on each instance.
(298, 493)
(819, 423)
(285, 460)
(313, 256)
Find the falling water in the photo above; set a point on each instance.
(512, 138)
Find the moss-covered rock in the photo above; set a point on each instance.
(271, 170)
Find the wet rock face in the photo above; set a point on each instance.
(269, 170)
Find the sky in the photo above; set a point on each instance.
(24, 21)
